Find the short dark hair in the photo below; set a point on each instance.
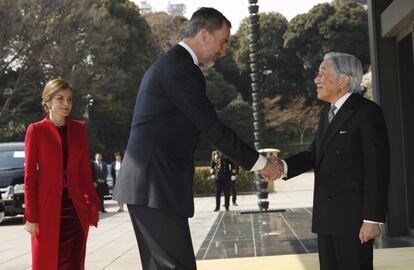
(208, 18)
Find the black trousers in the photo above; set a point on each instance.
(164, 239)
(344, 253)
(222, 185)
(101, 190)
(233, 191)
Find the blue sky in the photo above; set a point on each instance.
(236, 10)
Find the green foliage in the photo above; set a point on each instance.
(204, 185)
(202, 182)
(218, 90)
(101, 47)
(280, 65)
(228, 68)
(231, 109)
(238, 115)
(327, 27)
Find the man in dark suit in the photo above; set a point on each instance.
(100, 172)
(350, 157)
(221, 172)
(171, 112)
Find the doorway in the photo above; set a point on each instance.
(406, 78)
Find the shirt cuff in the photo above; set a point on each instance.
(260, 164)
(285, 168)
(372, 222)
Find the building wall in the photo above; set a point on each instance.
(393, 91)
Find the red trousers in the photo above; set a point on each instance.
(72, 242)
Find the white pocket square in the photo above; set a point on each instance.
(343, 132)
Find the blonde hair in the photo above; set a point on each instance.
(51, 89)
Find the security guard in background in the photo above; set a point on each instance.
(234, 173)
(221, 171)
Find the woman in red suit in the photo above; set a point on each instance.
(61, 201)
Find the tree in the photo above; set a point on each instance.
(115, 101)
(300, 115)
(238, 115)
(280, 65)
(167, 30)
(49, 40)
(342, 26)
(218, 90)
(100, 46)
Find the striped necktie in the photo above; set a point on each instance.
(331, 113)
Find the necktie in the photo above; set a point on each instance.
(331, 113)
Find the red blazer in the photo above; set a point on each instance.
(44, 184)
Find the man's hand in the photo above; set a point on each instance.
(273, 169)
(369, 231)
(31, 228)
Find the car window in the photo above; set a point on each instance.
(11, 159)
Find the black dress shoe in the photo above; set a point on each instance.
(227, 208)
(216, 209)
(235, 204)
(104, 211)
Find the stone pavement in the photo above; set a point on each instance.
(113, 246)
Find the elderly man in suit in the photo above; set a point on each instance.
(171, 112)
(350, 157)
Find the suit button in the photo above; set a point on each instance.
(337, 152)
(329, 198)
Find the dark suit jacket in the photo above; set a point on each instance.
(100, 173)
(171, 111)
(350, 157)
(223, 168)
(102, 188)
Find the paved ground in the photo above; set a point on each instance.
(112, 245)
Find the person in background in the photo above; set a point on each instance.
(61, 202)
(221, 172)
(233, 189)
(2, 213)
(115, 167)
(100, 174)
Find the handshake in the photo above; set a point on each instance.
(273, 169)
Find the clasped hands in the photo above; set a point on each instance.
(273, 169)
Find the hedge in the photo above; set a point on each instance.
(204, 185)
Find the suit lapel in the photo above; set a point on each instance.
(344, 113)
(69, 139)
(54, 130)
(322, 127)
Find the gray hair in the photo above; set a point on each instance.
(208, 18)
(347, 65)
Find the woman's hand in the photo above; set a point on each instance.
(31, 228)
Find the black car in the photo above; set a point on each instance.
(12, 177)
